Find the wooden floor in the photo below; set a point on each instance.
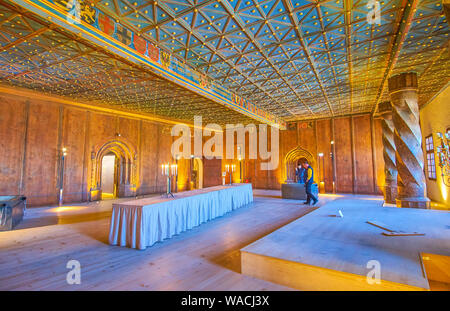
(35, 254)
(322, 251)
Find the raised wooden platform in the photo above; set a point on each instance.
(323, 252)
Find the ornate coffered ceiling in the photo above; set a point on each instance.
(295, 59)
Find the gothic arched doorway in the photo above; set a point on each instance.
(197, 173)
(109, 178)
(125, 174)
(294, 157)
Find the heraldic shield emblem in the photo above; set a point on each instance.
(139, 44)
(165, 59)
(105, 24)
(123, 34)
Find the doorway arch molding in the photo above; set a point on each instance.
(197, 162)
(291, 158)
(127, 173)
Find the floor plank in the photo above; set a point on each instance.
(35, 254)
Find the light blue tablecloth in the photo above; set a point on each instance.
(141, 223)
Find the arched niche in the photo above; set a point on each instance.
(127, 168)
(291, 160)
(197, 173)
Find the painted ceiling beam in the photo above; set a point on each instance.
(406, 14)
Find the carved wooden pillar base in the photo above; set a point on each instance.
(415, 202)
(390, 194)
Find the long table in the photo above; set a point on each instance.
(141, 223)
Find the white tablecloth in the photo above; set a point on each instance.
(141, 223)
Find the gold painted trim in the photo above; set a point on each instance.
(404, 89)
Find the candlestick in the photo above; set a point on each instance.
(174, 169)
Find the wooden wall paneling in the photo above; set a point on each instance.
(333, 160)
(344, 173)
(363, 155)
(129, 129)
(158, 175)
(352, 138)
(373, 152)
(58, 166)
(212, 169)
(73, 138)
(102, 128)
(13, 127)
(212, 172)
(307, 137)
(42, 154)
(260, 175)
(324, 146)
(164, 154)
(378, 142)
(271, 177)
(150, 159)
(246, 173)
(307, 141)
(140, 162)
(288, 141)
(86, 158)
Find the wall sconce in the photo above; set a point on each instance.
(444, 157)
(332, 142)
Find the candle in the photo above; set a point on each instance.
(227, 168)
(233, 167)
(162, 169)
(174, 169)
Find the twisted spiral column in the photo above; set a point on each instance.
(390, 168)
(408, 141)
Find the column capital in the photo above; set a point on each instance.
(385, 109)
(407, 80)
